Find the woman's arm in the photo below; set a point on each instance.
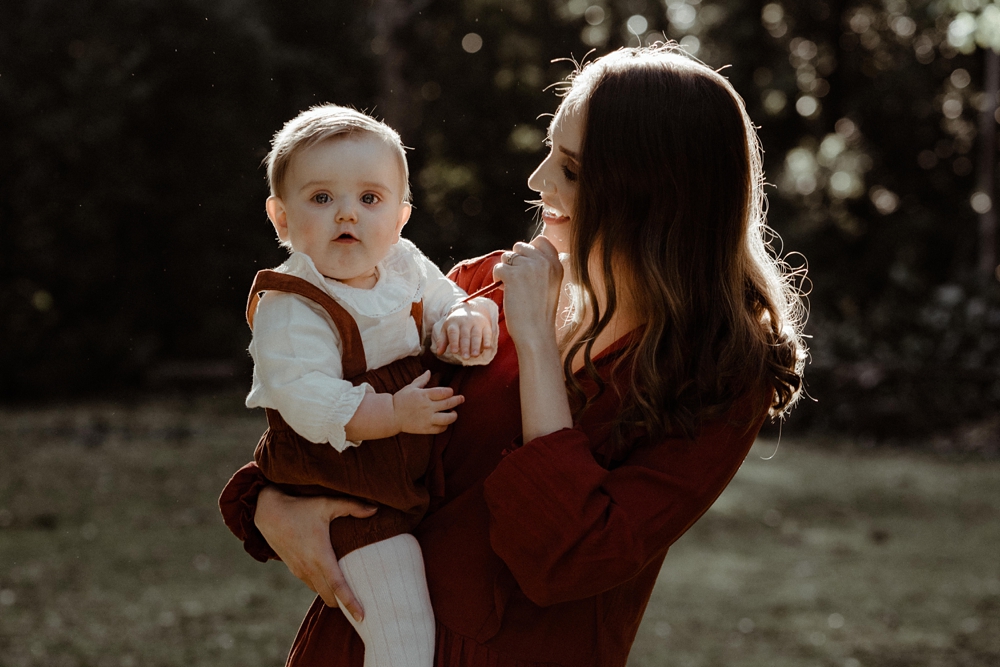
(532, 281)
(298, 529)
(568, 528)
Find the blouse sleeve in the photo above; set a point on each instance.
(298, 370)
(568, 529)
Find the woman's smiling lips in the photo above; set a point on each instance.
(552, 216)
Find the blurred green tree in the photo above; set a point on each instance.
(132, 194)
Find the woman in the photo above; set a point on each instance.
(616, 410)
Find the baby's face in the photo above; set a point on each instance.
(342, 206)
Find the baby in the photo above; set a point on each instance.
(336, 336)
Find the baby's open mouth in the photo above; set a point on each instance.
(345, 238)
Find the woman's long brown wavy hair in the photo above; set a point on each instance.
(671, 204)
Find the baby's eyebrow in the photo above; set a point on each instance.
(375, 185)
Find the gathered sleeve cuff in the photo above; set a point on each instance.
(341, 412)
(238, 504)
(568, 529)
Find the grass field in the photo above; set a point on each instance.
(112, 553)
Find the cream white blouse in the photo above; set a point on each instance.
(296, 348)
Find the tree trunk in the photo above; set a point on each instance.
(987, 264)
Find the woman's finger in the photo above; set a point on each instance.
(544, 245)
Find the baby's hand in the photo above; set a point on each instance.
(466, 331)
(420, 410)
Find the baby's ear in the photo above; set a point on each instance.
(404, 216)
(276, 213)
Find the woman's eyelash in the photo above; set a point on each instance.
(570, 176)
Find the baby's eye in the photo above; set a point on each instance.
(570, 175)
(322, 198)
(369, 198)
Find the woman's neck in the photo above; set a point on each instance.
(624, 320)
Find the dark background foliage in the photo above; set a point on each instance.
(131, 193)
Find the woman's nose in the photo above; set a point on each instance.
(536, 181)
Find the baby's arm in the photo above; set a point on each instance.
(298, 372)
(412, 409)
(461, 332)
(298, 369)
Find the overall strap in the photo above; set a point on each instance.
(353, 350)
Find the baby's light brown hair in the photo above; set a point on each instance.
(324, 122)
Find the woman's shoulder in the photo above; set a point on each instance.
(472, 274)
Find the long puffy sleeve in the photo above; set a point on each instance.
(298, 369)
(568, 528)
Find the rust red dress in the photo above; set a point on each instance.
(541, 553)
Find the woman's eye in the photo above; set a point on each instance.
(322, 198)
(570, 176)
(369, 198)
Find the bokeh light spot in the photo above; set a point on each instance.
(682, 15)
(981, 202)
(594, 15)
(691, 44)
(472, 43)
(807, 106)
(960, 78)
(637, 24)
(885, 201)
(42, 301)
(774, 101)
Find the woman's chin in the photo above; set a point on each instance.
(557, 231)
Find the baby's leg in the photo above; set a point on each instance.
(388, 579)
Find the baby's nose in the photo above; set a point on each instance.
(347, 214)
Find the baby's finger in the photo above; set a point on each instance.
(443, 419)
(439, 393)
(448, 403)
(487, 337)
(476, 340)
(421, 381)
(440, 344)
(454, 338)
(465, 341)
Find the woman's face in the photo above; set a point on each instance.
(555, 179)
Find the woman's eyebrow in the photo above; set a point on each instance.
(568, 152)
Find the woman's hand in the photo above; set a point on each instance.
(298, 529)
(532, 278)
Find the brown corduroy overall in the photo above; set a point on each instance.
(388, 471)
